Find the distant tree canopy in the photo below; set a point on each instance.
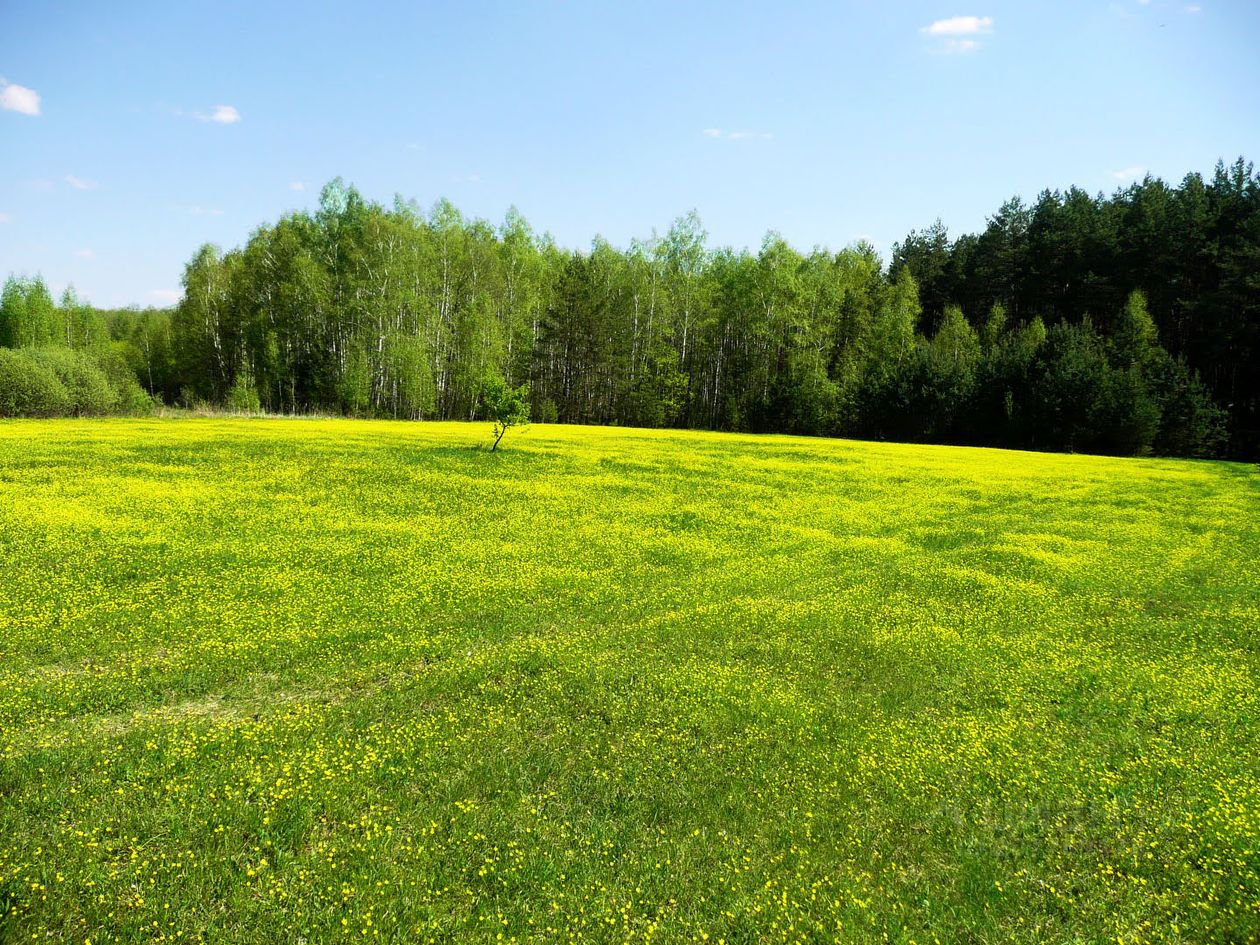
(59, 359)
(1192, 250)
(1126, 324)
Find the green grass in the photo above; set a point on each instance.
(286, 681)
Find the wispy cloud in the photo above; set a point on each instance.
(222, 115)
(18, 98)
(219, 114)
(85, 253)
(5, 218)
(737, 135)
(205, 211)
(1194, 8)
(297, 185)
(79, 183)
(165, 296)
(1129, 173)
(960, 26)
(957, 34)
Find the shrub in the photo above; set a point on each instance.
(89, 388)
(131, 397)
(243, 397)
(29, 388)
(58, 382)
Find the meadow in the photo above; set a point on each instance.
(329, 680)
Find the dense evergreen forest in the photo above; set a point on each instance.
(1124, 324)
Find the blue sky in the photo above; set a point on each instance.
(132, 132)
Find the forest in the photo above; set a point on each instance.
(1126, 324)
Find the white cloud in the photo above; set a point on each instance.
(165, 296)
(85, 253)
(5, 218)
(712, 132)
(79, 183)
(205, 211)
(224, 115)
(297, 185)
(1194, 8)
(1129, 173)
(956, 34)
(18, 98)
(960, 26)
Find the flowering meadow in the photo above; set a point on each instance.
(312, 681)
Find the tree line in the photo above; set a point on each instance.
(60, 357)
(1121, 324)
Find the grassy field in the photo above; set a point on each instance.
(307, 681)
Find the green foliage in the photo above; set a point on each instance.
(204, 327)
(409, 375)
(57, 381)
(506, 406)
(1190, 423)
(1004, 405)
(395, 311)
(114, 361)
(548, 412)
(85, 326)
(1192, 251)
(242, 397)
(29, 387)
(144, 338)
(1126, 413)
(956, 346)
(28, 316)
(1069, 381)
(1134, 339)
(892, 332)
(355, 384)
(994, 327)
(89, 389)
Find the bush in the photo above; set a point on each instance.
(59, 382)
(29, 388)
(131, 397)
(243, 397)
(89, 388)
